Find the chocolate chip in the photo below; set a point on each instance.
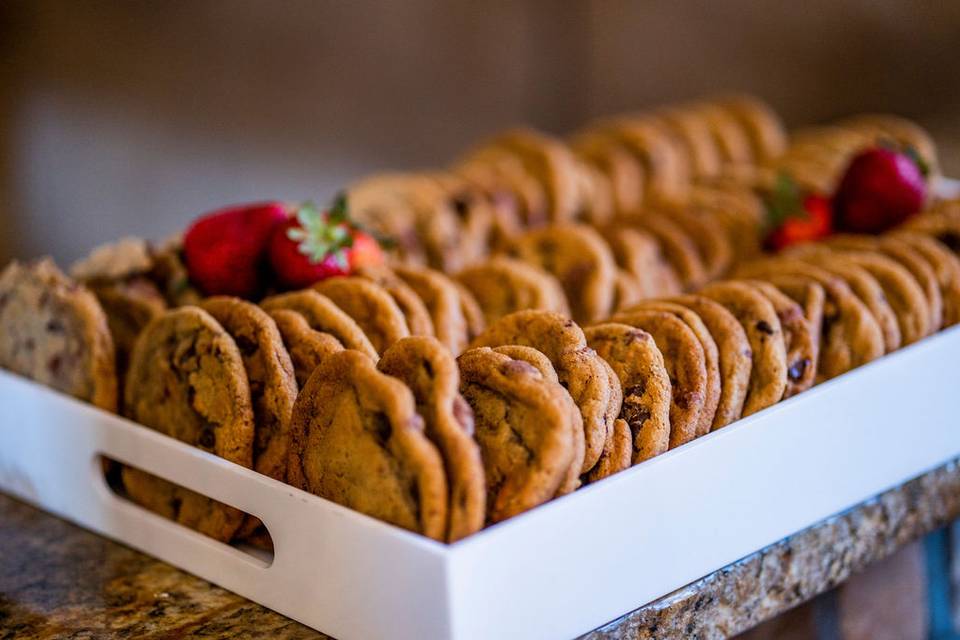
(798, 368)
(247, 345)
(461, 205)
(763, 327)
(55, 326)
(952, 240)
(207, 439)
(54, 364)
(380, 428)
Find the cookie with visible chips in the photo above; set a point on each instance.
(56, 333)
(187, 380)
(429, 370)
(758, 317)
(522, 428)
(357, 440)
(640, 369)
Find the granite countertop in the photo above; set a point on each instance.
(58, 581)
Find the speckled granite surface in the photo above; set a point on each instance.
(57, 581)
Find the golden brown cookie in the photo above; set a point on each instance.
(624, 173)
(758, 317)
(323, 315)
(273, 387)
(733, 352)
(711, 357)
(685, 364)
(477, 216)
(942, 226)
(946, 268)
(522, 427)
(370, 306)
(695, 138)
(640, 369)
(665, 170)
(731, 139)
(497, 170)
(768, 139)
(579, 368)
(580, 259)
(55, 332)
(800, 339)
(677, 246)
(443, 301)
(429, 370)
(472, 313)
(849, 334)
(414, 310)
(866, 287)
(502, 285)
(541, 363)
(307, 346)
(187, 381)
(617, 452)
(709, 237)
(627, 290)
(129, 304)
(638, 253)
(357, 440)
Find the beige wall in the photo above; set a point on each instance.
(131, 117)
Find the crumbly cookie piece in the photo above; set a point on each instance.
(55, 332)
(541, 363)
(357, 440)
(582, 262)
(370, 306)
(579, 368)
(946, 268)
(733, 351)
(685, 363)
(799, 338)
(758, 317)
(645, 383)
(323, 315)
(444, 303)
(429, 370)
(522, 427)
(503, 285)
(414, 310)
(187, 380)
(307, 346)
(849, 334)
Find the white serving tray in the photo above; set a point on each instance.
(554, 572)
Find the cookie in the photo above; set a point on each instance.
(444, 303)
(503, 285)
(757, 316)
(850, 336)
(470, 308)
(731, 139)
(735, 358)
(645, 383)
(187, 380)
(55, 332)
(665, 170)
(946, 268)
(129, 304)
(273, 387)
(541, 363)
(942, 227)
(695, 138)
(357, 440)
(912, 260)
(799, 338)
(578, 367)
(708, 236)
(370, 306)
(638, 253)
(580, 260)
(866, 287)
(768, 139)
(685, 364)
(624, 173)
(522, 428)
(414, 311)
(477, 217)
(307, 346)
(323, 315)
(617, 452)
(677, 246)
(429, 370)
(498, 170)
(711, 357)
(627, 290)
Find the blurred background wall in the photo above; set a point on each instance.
(121, 117)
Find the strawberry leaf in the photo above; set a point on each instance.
(922, 165)
(784, 202)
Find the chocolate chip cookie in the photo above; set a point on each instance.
(502, 285)
(414, 310)
(370, 306)
(323, 315)
(444, 303)
(307, 347)
(357, 440)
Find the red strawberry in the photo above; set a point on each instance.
(312, 246)
(881, 188)
(225, 250)
(814, 222)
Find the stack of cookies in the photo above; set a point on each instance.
(554, 313)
